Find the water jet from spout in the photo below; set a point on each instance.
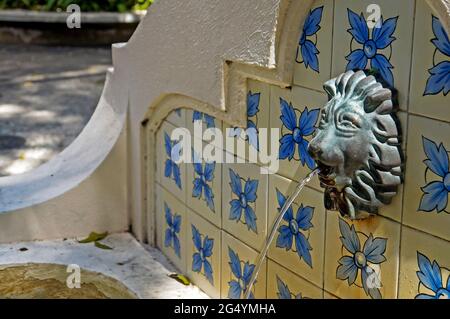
(275, 225)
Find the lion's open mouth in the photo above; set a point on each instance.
(326, 175)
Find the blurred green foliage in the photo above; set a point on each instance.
(85, 5)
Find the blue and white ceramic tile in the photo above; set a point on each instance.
(296, 113)
(203, 254)
(300, 239)
(204, 189)
(207, 121)
(430, 78)
(427, 181)
(313, 58)
(238, 264)
(258, 113)
(362, 41)
(424, 266)
(171, 224)
(244, 203)
(177, 118)
(284, 284)
(362, 257)
(172, 174)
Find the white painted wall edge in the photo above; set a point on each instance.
(77, 162)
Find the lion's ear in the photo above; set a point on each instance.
(379, 101)
(330, 88)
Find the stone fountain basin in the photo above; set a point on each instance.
(130, 270)
(49, 281)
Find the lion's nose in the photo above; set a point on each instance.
(314, 150)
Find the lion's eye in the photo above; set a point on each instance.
(350, 121)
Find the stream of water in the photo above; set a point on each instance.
(273, 230)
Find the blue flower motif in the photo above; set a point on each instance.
(172, 170)
(284, 292)
(435, 193)
(305, 127)
(242, 276)
(381, 39)
(293, 230)
(203, 252)
(371, 254)
(430, 276)
(245, 198)
(172, 232)
(205, 175)
(307, 48)
(439, 79)
(209, 120)
(252, 111)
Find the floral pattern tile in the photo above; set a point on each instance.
(244, 203)
(203, 254)
(284, 284)
(172, 174)
(300, 237)
(427, 180)
(207, 121)
(424, 266)
(296, 113)
(362, 257)
(430, 78)
(383, 46)
(258, 100)
(238, 264)
(313, 57)
(204, 193)
(171, 221)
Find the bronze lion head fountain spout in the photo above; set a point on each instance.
(357, 145)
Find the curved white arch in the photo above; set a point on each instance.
(73, 165)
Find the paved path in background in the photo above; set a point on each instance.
(47, 95)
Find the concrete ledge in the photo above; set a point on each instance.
(26, 16)
(49, 28)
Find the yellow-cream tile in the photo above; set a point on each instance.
(398, 53)
(206, 121)
(429, 213)
(212, 211)
(173, 235)
(247, 224)
(327, 295)
(178, 189)
(425, 260)
(300, 99)
(258, 94)
(310, 265)
(284, 284)
(236, 253)
(377, 233)
(177, 117)
(210, 238)
(427, 95)
(307, 73)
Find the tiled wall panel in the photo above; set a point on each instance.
(402, 253)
